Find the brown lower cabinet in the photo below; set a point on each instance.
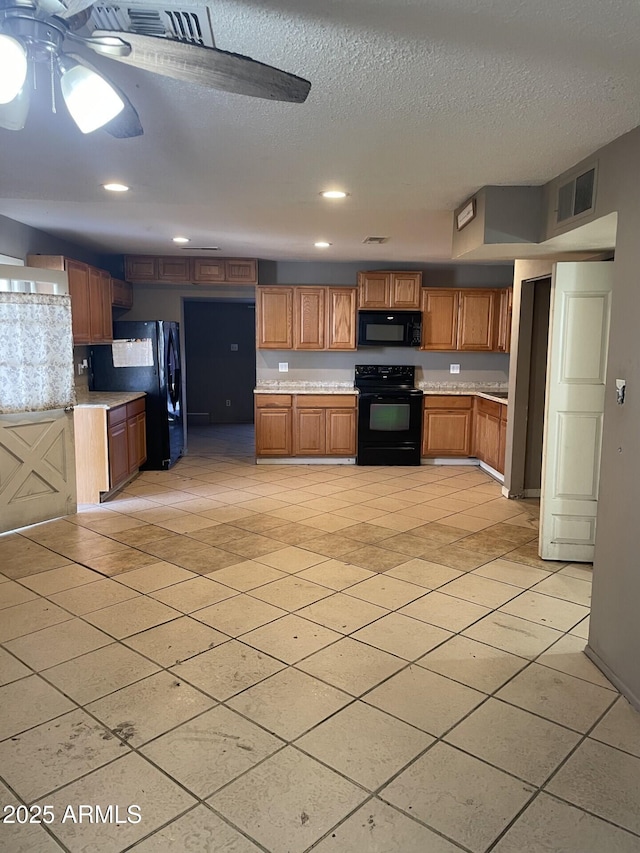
(446, 428)
(305, 425)
(488, 418)
(110, 446)
(460, 426)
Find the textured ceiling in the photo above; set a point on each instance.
(414, 105)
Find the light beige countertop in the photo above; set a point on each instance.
(273, 386)
(496, 391)
(106, 399)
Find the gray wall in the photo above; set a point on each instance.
(537, 383)
(614, 638)
(20, 240)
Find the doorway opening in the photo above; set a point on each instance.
(536, 304)
(220, 360)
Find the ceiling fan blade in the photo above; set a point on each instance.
(208, 66)
(127, 123)
(73, 7)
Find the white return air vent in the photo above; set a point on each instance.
(376, 241)
(577, 196)
(185, 24)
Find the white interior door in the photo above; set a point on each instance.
(37, 468)
(574, 409)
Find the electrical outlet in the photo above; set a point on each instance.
(227, 402)
(234, 347)
(283, 366)
(454, 368)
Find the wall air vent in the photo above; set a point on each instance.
(375, 240)
(200, 248)
(577, 196)
(191, 25)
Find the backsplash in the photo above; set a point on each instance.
(330, 367)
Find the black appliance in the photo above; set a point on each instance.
(389, 328)
(389, 415)
(156, 370)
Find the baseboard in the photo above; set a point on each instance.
(307, 460)
(492, 472)
(613, 678)
(448, 460)
(532, 493)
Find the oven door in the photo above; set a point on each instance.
(389, 429)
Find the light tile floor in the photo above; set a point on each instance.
(285, 658)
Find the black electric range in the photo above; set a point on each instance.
(389, 415)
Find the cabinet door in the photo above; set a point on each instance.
(439, 318)
(308, 317)
(241, 271)
(340, 432)
(505, 299)
(118, 453)
(477, 320)
(208, 270)
(136, 441)
(121, 293)
(502, 446)
(492, 441)
(405, 289)
(78, 275)
(274, 317)
(309, 432)
(374, 290)
(446, 433)
(341, 318)
(141, 268)
(273, 432)
(106, 298)
(177, 270)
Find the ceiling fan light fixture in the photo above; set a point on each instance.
(91, 100)
(13, 68)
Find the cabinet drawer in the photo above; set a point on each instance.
(272, 401)
(447, 401)
(136, 407)
(325, 401)
(116, 415)
(489, 407)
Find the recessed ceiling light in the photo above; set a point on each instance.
(322, 244)
(334, 194)
(181, 240)
(116, 188)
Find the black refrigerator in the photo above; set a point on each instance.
(146, 357)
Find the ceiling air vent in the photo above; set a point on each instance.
(577, 196)
(200, 248)
(190, 25)
(375, 240)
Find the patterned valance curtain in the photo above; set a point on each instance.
(36, 353)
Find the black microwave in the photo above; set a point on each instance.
(389, 328)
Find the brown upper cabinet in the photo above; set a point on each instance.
(505, 312)
(90, 292)
(274, 318)
(121, 293)
(306, 318)
(388, 289)
(466, 319)
(183, 270)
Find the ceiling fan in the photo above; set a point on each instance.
(35, 33)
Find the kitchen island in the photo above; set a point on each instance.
(110, 442)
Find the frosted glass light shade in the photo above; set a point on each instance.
(91, 101)
(13, 68)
